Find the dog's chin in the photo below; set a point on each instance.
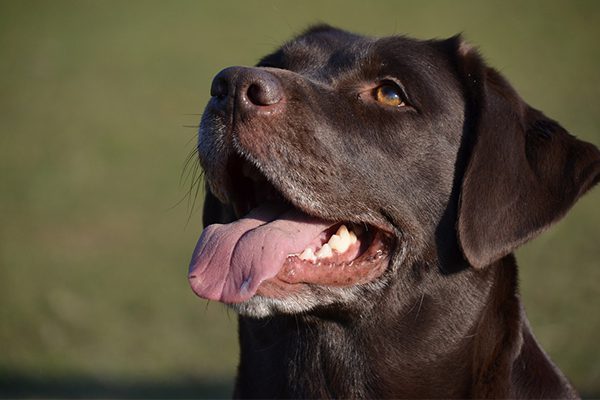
(308, 298)
(261, 307)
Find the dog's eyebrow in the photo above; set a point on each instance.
(324, 55)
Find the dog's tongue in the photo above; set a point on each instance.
(231, 261)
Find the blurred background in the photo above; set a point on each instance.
(98, 106)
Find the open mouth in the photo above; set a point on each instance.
(272, 241)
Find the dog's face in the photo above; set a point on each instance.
(338, 163)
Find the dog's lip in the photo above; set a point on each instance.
(367, 266)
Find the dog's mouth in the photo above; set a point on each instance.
(274, 246)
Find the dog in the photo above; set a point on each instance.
(363, 200)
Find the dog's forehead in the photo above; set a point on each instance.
(326, 54)
(321, 54)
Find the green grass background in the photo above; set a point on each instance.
(95, 102)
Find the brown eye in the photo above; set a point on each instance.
(389, 94)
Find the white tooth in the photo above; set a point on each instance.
(324, 252)
(335, 242)
(339, 244)
(307, 255)
(353, 238)
(342, 232)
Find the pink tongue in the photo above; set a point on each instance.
(231, 261)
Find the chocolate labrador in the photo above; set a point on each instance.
(363, 199)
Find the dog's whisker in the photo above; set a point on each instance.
(197, 185)
(191, 160)
(193, 173)
(193, 138)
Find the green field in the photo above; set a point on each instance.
(98, 102)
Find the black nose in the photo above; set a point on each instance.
(252, 89)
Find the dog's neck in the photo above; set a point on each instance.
(442, 342)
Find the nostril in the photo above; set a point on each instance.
(264, 93)
(219, 87)
(254, 94)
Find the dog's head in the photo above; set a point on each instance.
(341, 160)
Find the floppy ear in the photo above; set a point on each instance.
(524, 170)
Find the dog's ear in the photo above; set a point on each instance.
(523, 171)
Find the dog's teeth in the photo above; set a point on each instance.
(353, 237)
(342, 239)
(339, 243)
(324, 251)
(342, 231)
(308, 255)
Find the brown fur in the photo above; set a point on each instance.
(462, 181)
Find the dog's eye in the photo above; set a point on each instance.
(389, 94)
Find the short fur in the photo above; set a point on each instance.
(462, 180)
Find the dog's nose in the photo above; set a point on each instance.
(252, 89)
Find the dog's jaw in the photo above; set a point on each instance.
(296, 284)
